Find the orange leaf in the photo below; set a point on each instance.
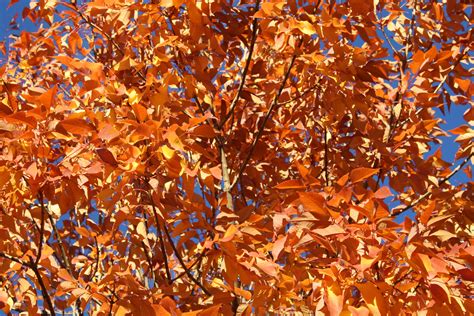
(74, 126)
(290, 184)
(330, 230)
(373, 298)
(313, 202)
(278, 246)
(245, 294)
(204, 131)
(140, 112)
(268, 267)
(108, 132)
(383, 193)
(174, 140)
(334, 299)
(360, 174)
(230, 233)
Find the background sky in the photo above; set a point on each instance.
(452, 118)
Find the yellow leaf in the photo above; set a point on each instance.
(125, 64)
(133, 96)
(334, 299)
(306, 28)
(141, 230)
(229, 234)
(174, 140)
(167, 152)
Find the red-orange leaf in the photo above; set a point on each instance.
(360, 174)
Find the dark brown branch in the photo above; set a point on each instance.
(43, 211)
(326, 162)
(428, 192)
(246, 68)
(262, 126)
(44, 291)
(148, 259)
(411, 34)
(181, 262)
(160, 238)
(145, 250)
(14, 259)
(198, 259)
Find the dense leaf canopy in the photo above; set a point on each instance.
(183, 157)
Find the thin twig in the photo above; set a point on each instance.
(429, 192)
(326, 173)
(181, 262)
(198, 259)
(246, 68)
(310, 89)
(160, 238)
(262, 126)
(60, 243)
(411, 34)
(14, 259)
(110, 38)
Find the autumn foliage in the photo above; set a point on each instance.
(183, 157)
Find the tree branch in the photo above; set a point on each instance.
(98, 28)
(60, 242)
(198, 259)
(326, 162)
(43, 211)
(428, 192)
(262, 126)
(44, 291)
(160, 238)
(246, 68)
(14, 259)
(181, 262)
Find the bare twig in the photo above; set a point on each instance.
(60, 242)
(310, 89)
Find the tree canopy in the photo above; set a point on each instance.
(183, 157)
